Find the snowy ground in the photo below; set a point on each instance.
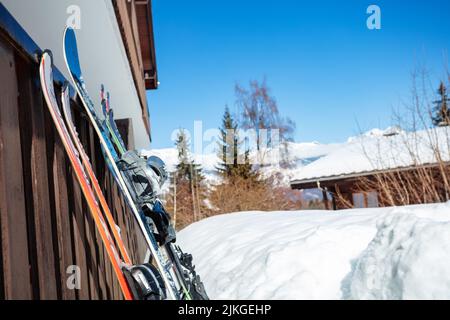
(389, 253)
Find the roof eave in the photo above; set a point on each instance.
(135, 24)
(317, 181)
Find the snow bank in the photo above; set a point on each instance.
(408, 259)
(389, 253)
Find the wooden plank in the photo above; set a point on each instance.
(75, 204)
(36, 178)
(135, 29)
(64, 228)
(25, 144)
(134, 55)
(125, 127)
(91, 253)
(109, 273)
(16, 274)
(147, 42)
(103, 259)
(90, 227)
(325, 199)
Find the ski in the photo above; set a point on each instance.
(184, 268)
(46, 78)
(109, 121)
(144, 280)
(73, 65)
(88, 168)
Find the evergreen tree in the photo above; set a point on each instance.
(186, 168)
(189, 193)
(232, 162)
(441, 112)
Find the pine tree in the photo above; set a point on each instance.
(189, 192)
(441, 111)
(186, 168)
(232, 162)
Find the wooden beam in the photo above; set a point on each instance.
(125, 16)
(125, 127)
(64, 228)
(78, 223)
(325, 199)
(35, 168)
(14, 241)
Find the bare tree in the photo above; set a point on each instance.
(425, 148)
(259, 111)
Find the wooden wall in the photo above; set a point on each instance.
(45, 224)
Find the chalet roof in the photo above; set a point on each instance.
(136, 25)
(374, 153)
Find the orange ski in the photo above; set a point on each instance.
(46, 76)
(91, 174)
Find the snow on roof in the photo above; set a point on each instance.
(379, 150)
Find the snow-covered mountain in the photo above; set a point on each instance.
(375, 149)
(300, 155)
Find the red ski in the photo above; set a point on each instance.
(88, 167)
(46, 75)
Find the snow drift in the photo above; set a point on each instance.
(386, 253)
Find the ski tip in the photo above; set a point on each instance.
(70, 50)
(68, 31)
(47, 55)
(108, 101)
(69, 35)
(65, 99)
(102, 92)
(67, 27)
(65, 87)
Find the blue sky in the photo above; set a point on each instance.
(327, 71)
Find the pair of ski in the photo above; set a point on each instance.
(77, 158)
(184, 269)
(112, 158)
(162, 286)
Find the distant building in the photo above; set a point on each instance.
(392, 152)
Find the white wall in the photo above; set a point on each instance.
(102, 53)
